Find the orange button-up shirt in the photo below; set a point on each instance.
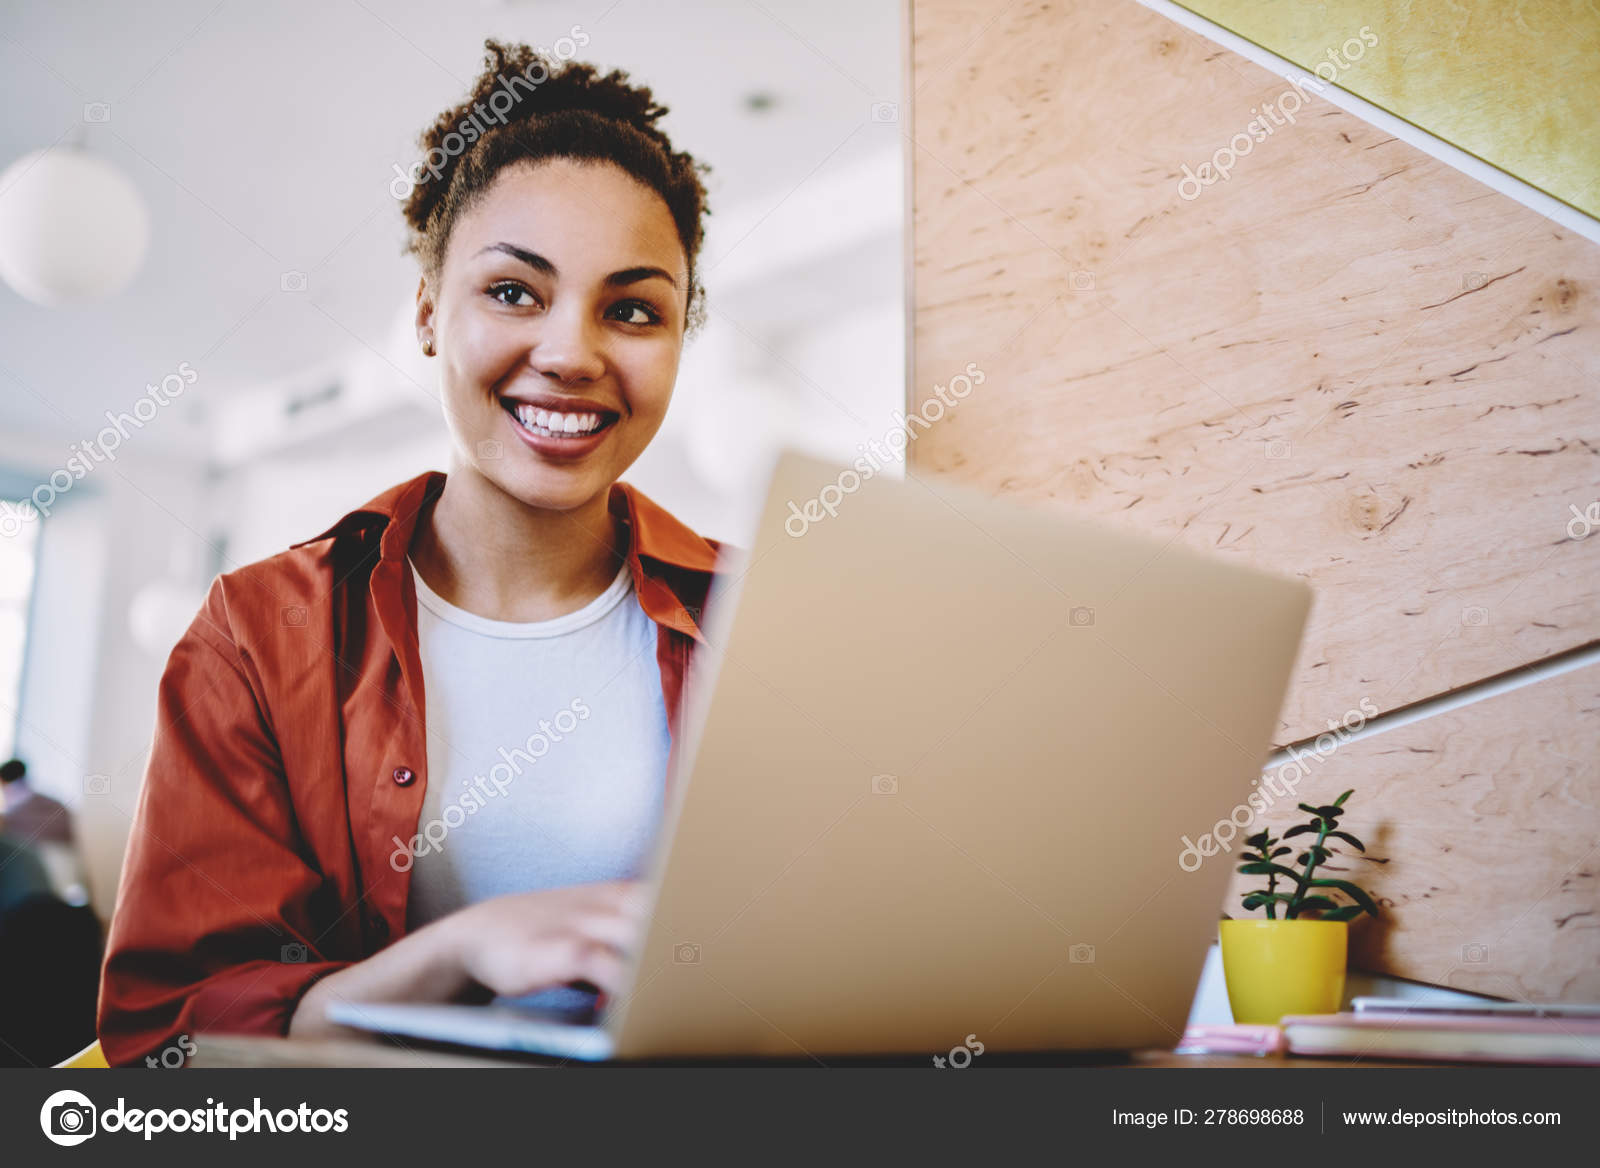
(289, 754)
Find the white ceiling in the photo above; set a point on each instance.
(264, 137)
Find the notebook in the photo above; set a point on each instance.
(1450, 1038)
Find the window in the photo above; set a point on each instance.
(19, 539)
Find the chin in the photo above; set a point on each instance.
(550, 488)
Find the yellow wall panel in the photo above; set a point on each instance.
(1516, 84)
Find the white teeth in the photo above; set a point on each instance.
(552, 422)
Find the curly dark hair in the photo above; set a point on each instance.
(526, 107)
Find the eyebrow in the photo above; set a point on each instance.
(543, 266)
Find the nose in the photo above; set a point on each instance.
(567, 348)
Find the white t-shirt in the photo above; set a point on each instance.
(547, 751)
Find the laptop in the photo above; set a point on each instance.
(943, 757)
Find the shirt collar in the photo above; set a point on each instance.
(655, 536)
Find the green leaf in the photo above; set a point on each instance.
(1311, 904)
(1320, 852)
(1281, 852)
(1308, 808)
(1339, 802)
(1350, 890)
(1268, 870)
(1349, 839)
(1318, 903)
(1259, 840)
(1303, 829)
(1329, 811)
(1345, 912)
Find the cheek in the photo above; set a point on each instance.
(480, 353)
(648, 372)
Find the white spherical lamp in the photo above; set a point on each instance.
(73, 228)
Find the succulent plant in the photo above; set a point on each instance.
(1304, 902)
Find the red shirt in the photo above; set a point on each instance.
(289, 753)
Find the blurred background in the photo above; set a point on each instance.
(207, 308)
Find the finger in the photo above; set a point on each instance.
(637, 898)
(629, 898)
(608, 928)
(604, 968)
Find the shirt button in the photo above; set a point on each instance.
(404, 776)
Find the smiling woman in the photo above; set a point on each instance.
(394, 670)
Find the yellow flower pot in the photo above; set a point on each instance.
(1275, 968)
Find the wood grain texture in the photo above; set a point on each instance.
(1482, 828)
(1346, 362)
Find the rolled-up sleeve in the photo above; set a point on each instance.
(214, 928)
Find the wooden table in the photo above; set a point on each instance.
(236, 1050)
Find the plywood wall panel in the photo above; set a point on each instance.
(1482, 828)
(1348, 362)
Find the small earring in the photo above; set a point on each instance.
(427, 348)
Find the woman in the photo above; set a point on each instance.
(421, 757)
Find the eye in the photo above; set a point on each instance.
(507, 292)
(634, 312)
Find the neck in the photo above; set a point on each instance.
(496, 557)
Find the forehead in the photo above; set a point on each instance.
(582, 216)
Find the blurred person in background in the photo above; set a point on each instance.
(28, 815)
(44, 825)
(422, 756)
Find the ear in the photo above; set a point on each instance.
(425, 316)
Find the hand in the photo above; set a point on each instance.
(528, 941)
(510, 945)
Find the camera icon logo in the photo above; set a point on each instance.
(885, 111)
(686, 954)
(1475, 954)
(1472, 281)
(67, 1118)
(1081, 281)
(490, 448)
(1081, 954)
(96, 111)
(1475, 616)
(97, 784)
(294, 616)
(885, 785)
(292, 282)
(1081, 617)
(1278, 448)
(293, 953)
